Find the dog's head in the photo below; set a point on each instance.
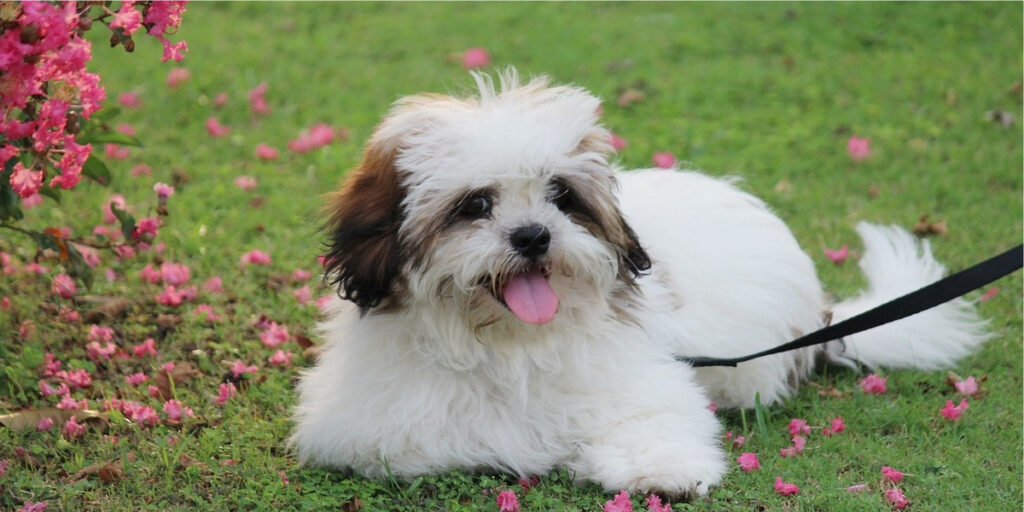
(499, 207)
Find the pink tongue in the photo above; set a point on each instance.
(530, 297)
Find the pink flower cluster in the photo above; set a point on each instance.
(45, 90)
(317, 136)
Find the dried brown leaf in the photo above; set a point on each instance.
(629, 97)
(108, 472)
(312, 352)
(925, 227)
(29, 418)
(181, 372)
(186, 461)
(167, 321)
(352, 506)
(107, 308)
(303, 341)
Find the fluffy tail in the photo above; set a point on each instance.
(896, 264)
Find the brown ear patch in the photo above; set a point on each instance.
(365, 257)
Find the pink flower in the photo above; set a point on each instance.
(153, 391)
(147, 228)
(255, 257)
(72, 429)
(238, 368)
(126, 129)
(303, 295)
(25, 181)
(135, 379)
(214, 285)
(257, 101)
(891, 474)
(476, 57)
(127, 19)
(177, 76)
(220, 100)
(507, 502)
(798, 446)
(70, 404)
(46, 389)
(141, 170)
(245, 182)
(838, 256)
(896, 499)
(317, 136)
(798, 426)
(858, 148)
(150, 275)
(301, 275)
(44, 424)
(163, 190)
(284, 477)
(713, 407)
(873, 384)
(176, 274)
(146, 347)
(100, 333)
(618, 143)
(170, 296)
(620, 503)
(31, 506)
(281, 358)
(168, 366)
(129, 100)
(78, 378)
(953, 413)
(663, 160)
(838, 425)
(748, 461)
(989, 294)
(97, 352)
(322, 302)
(64, 286)
(175, 411)
(785, 489)
(205, 311)
(654, 504)
(275, 335)
(215, 128)
(115, 152)
(27, 203)
(51, 364)
(265, 152)
(224, 392)
(967, 387)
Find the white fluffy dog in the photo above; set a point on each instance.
(514, 302)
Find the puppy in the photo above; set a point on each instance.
(509, 300)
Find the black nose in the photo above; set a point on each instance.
(531, 241)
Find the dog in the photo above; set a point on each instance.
(508, 300)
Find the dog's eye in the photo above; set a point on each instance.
(561, 195)
(475, 206)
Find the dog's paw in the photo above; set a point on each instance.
(636, 458)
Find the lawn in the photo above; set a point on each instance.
(770, 92)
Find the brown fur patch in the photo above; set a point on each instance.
(365, 256)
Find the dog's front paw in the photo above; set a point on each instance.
(646, 457)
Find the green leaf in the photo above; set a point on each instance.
(50, 192)
(104, 114)
(10, 203)
(759, 416)
(126, 220)
(97, 170)
(108, 136)
(78, 267)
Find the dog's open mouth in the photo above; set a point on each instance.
(529, 296)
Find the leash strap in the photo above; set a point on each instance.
(914, 302)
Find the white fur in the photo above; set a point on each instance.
(451, 379)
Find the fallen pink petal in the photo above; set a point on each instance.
(620, 503)
(858, 148)
(967, 387)
(265, 152)
(215, 128)
(953, 413)
(177, 76)
(748, 461)
(837, 256)
(784, 488)
(245, 182)
(891, 474)
(475, 58)
(798, 426)
(873, 384)
(663, 160)
(896, 498)
(992, 292)
(507, 501)
(654, 504)
(857, 488)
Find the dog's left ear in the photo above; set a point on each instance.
(365, 256)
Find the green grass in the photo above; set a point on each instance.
(770, 92)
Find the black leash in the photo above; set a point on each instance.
(914, 302)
